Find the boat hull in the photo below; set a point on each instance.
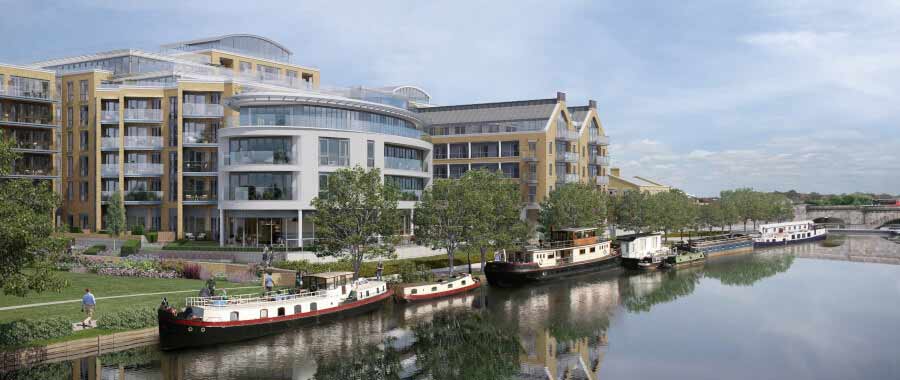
(762, 244)
(638, 264)
(427, 297)
(177, 333)
(504, 274)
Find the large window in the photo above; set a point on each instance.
(325, 117)
(370, 154)
(488, 127)
(29, 87)
(485, 149)
(83, 116)
(410, 187)
(261, 186)
(260, 150)
(334, 152)
(440, 171)
(510, 169)
(200, 131)
(26, 113)
(509, 149)
(459, 150)
(404, 158)
(83, 90)
(457, 171)
(246, 67)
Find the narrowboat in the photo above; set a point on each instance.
(775, 234)
(643, 251)
(214, 320)
(719, 245)
(444, 287)
(570, 252)
(684, 258)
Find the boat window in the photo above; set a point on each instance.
(583, 251)
(298, 309)
(313, 307)
(463, 282)
(235, 316)
(434, 289)
(449, 286)
(280, 311)
(264, 313)
(593, 249)
(367, 293)
(414, 291)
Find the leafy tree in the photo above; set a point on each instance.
(114, 220)
(493, 206)
(442, 219)
(671, 211)
(631, 211)
(28, 248)
(573, 205)
(465, 346)
(356, 217)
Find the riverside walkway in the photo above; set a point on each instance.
(111, 297)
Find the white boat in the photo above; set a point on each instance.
(788, 233)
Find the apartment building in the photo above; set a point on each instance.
(145, 124)
(29, 116)
(541, 143)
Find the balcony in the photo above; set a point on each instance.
(106, 195)
(109, 117)
(600, 160)
(200, 166)
(567, 156)
(143, 169)
(258, 157)
(21, 92)
(410, 195)
(143, 142)
(33, 146)
(405, 164)
(109, 143)
(530, 156)
(199, 138)
(42, 121)
(567, 178)
(202, 110)
(599, 140)
(566, 135)
(530, 178)
(143, 115)
(143, 196)
(602, 180)
(199, 197)
(24, 170)
(109, 170)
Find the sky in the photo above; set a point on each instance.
(699, 95)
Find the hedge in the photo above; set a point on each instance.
(23, 331)
(368, 268)
(130, 247)
(152, 236)
(127, 319)
(94, 249)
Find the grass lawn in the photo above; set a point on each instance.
(105, 286)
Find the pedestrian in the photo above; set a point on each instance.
(379, 269)
(298, 281)
(269, 282)
(88, 303)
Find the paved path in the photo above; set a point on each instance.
(458, 268)
(110, 297)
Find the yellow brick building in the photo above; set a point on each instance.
(619, 184)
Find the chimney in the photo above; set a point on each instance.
(592, 104)
(560, 96)
(615, 172)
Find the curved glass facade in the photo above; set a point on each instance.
(260, 186)
(328, 118)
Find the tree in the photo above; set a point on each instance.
(114, 220)
(442, 219)
(573, 205)
(631, 211)
(356, 216)
(493, 206)
(671, 211)
(28, 248)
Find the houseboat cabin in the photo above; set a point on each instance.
(643, 250)
(788, 233)
(442, 287)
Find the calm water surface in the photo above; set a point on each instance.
(800, 312)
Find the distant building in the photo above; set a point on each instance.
(619, 184)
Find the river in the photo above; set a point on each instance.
(797, 312)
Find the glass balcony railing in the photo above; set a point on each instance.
(599, 140)
(109, 143)
(143, 142)
(109, 117)
(602, 180)
(143, 196)
(567, 156)
(204, 137)
(530, 177)
(258, 193)
(109, 170)
(33, 144)
(600, 160)
(35, 170)
(566, 135)
(258, 157)
(202, 110)
(405, 164)
(199, 196)
(26, 92)
(143, 169)
(27, 119)
(530, 156)
(143, 115)
(200, 166)
(567, 178)
(106, 195)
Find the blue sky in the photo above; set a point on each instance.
(702, 95)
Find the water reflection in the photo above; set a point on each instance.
(746, 271)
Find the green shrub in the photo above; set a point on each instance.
(127, 319)
(75, 229)
(137, 229)
(23, 331)
(152, 236)
(95, 249)
(410, 272)
(130, 247)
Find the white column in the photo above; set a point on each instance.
(300, 227)
(221, 228)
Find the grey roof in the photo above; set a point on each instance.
(485, 112)
(579, 113)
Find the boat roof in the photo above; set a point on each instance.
(793, 223)
(330, 274)
(631, 237)
(577, 229)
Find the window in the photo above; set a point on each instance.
(440, 171)
(510, 169)
(260, 150)
(173, 121)
(264, 313)
(458, 170)
(434, 288)
(298, 309)
(234, 316)
(509, 149)
(83, 90)
(313, 307)
(463, 282)
(70, 91)
(84, 222)
(550, 168)
(370, 153)
(84, 140)
(440, 151)
(84, 191)
(550, 147)
(459, 150)
(410, 187)
(70, 117)
(532, 194)
(84, 116)
(69, 169)
(246, 67)
(261, 186)
(593, 249)
(70, 193)
(280, 311)
(485, 149)
(414, 291)
(83, 166)
(334, 152)
(404, 158)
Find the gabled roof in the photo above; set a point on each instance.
(486, 112)
(579, 114)
(638, 181)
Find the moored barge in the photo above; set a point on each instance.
(718, 245)
(213, 320)
(788, 233)
(571, 252)
(642, 251)
(445, 287)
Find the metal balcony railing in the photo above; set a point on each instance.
(410, 195)
(457, 155)
(109, 143)
(25, 92)
(143, 169)
(567, 135)
(109, 117)
(567, 156)
(602, 180)
(200, 166)
(199, 196)
(202, 110)
(109, 170)
(33, 145)
(143, 114)
(143, 196)
(143, 142)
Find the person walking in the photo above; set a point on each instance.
(270, 283)
(88, 303)
(379, 269)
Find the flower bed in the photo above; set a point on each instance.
(136, 266)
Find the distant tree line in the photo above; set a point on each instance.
(852, 199)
